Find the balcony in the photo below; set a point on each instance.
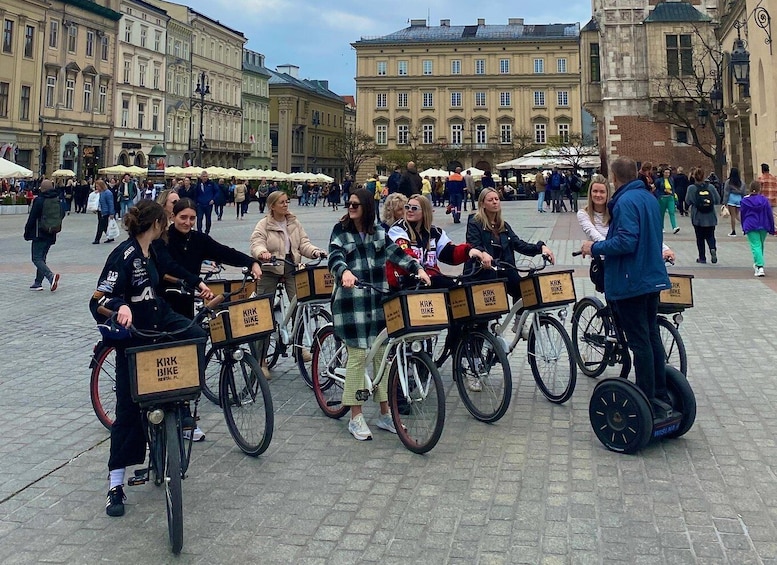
(228, 146)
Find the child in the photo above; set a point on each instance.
(757, 221)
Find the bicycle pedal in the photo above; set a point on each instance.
(140, 478)
(362, 395)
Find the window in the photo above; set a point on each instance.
(51, 87)
(124, 112)
(593, 57)
(563, 133)
(403, 131)
(540, 133)
(128, 31)
(54, 34)
(402, 68)
(7, 39)
(382, 100)
(24, 104)
(142, 74)
(70, 92)
(72, 38)
(102, 98)
(157, 40)
(29, 41)
(504, 66)
(680, 135)
(381, 68)
(428, 134)
(89, 43)
(562, 98)
(480, 66)
(156, 77)
(456, 67)
(505, 99)
(505, 133)
(87, 95)
(480, 99)
(481, 135)
(561, 65)
(428, 100)
(679, 55)
(539, 97)
(127, 71)
(457, 134)
(104, 48)
(4, 89)
(381, 134)
(427, 67)
(143, 35)
(141, 114)
(455, 99)
(539, 66)
(401, 99)
(177, 48)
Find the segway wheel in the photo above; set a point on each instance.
(683, 400)
(620, 415)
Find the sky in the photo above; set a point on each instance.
(316, 35)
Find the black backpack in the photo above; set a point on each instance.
(51, 216)
(703, 200)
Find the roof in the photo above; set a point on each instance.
(676, 12)
(477, 33)
(592, 25)
(95, 8)
(315, 86)
(256, 69)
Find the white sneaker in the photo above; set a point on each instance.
(677, 229)
(755, 270)
(760, 272)
(473, 384)
(199, 435)
(385, 422)
(359, 428)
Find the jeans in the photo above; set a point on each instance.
(262, 204)
(704, 234)
(125, 206)
(241, 208)
(573, 201)
(204, 210)
(40, 249)
(219, 210)
(455, 203)
(637, 318)
(540, 200)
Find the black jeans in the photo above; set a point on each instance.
(102, 226)
(637, 316)
(704, 234)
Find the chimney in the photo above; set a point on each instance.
(445, 23)
(515, 21)
(481, 21)
(291, 70)
(417, 23)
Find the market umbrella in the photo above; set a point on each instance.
(173, 171)
(63, 174)
(136, 171)
(114, 170)
(10, 170)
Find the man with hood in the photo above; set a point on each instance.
(43, 224)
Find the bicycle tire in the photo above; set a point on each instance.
(214, 361)
(318, 319)
(247, 405)
(674, 347)
(420, 428)
(328, 353)
(173, 489)
(274, 347)
(590, 329)
(102, 385)
(475, 361)
(549, 358)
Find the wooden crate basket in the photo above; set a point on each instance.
(478, 301)
(679, 297)
(544, 290)
(314, 283)
(166, 372)
(220, 286)
(415, 311)
(243, 321)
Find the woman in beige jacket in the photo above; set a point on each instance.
(279, 234)
(241, 200)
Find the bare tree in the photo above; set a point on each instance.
(353, 147)
(573, 148)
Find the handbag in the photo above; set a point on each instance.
(112, 232)
(93, 203)
(596, 272)
(724, 213)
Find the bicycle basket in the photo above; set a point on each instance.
(314, 283)
(478, 301)
(222, 286)
(542, 290)
(242, 321)
(677, 298)
(415, 311)
(166, 372)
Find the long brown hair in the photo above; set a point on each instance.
(367, 201)
(589, 207)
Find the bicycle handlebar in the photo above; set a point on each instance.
(276, 261)
(531, 269)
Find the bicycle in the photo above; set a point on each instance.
(415, 392)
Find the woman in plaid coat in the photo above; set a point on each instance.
(358, 251)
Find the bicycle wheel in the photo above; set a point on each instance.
(329, 353)
(214, 360)
(303, 341)
(102, 385)
(674, 347)
(247, 404)
(420, 427)
(173, 491)
(551, 360)
(590, 329)
(156, 453)
(274, 347)
(483, 376)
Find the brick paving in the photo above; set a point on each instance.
(536, 487)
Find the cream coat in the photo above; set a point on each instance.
(240, 192)
(269, 237)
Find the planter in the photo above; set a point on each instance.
(13, 209)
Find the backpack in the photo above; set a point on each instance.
(703, 199)
(369, 186)
(51, 217)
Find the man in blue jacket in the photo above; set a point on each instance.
(634, 276)
(206, 196)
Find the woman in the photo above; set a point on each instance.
(167, 199)
(106, 209)
(426, 187)
(334, 196)
(393, 210)
(757, 221)
(489, 233)
(358, 251)
(241, 200)
(733, 192)
(646, 176)
(279, 234)
(127, 286)
(702, 200)
(666, 198)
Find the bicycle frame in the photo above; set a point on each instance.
(302, 314)
(519, 322)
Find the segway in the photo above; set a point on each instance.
(624, 420)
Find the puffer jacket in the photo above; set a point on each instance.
(269, 237)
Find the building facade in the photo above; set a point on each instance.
(178, 92)
(256, 110)
(468, 95)
(139, 96)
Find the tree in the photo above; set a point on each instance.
(353, 147)
(573, 149)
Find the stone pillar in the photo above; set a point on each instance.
(285, 126)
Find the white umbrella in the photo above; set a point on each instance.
(10, 170)
(192, 171)
(432, 172)
(63, 173)
(173, 171)
(321, 177)
(114, 170)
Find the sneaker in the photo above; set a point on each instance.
(36, 287)
(385, 422)
(700, 260)
(108, 240)
(198, 434)
(114, 502)
(755, 270)
(55, 282)
(732, 234)
(760, 272)
(714, 255)
(677, 229)
(359, 429)
(473, 384)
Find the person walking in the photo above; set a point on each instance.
(733, 191)
(334, 195)
(555, 190)
(539, 185)
(127, 193)
(411, 181)
(757, 221)
(681, 183)
(220, 198)
(469, 191)
(457, 187)
(105, 210)
(206, 198)
(261, 193)
(241, 200)
(703, 200)
(666, 198)
(393, 181)
(43, 223)
(769, 187)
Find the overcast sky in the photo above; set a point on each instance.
(316, 35)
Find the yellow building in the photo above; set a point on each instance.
(470, 95)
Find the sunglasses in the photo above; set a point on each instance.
(354, 205)
(412, 208)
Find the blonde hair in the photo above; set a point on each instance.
(387, 214)
(498, 224)
(425, 226)
(272, 198)
(589, 207)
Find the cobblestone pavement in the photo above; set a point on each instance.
(536, 487)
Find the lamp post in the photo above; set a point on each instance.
(203, 89)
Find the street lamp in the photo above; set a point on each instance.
(203, 89)
(701, 115)
(716, 98)
(740, 63)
